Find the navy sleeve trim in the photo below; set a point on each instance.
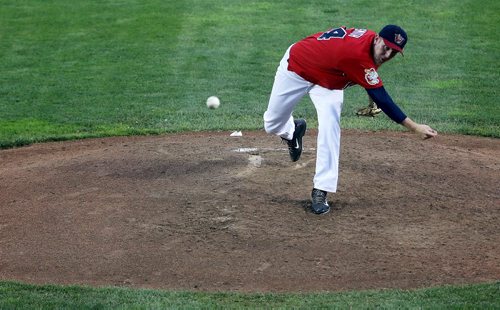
(380, 96)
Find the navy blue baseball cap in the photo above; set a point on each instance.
(394, 37)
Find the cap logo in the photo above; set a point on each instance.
(371, 76)
(398, 39)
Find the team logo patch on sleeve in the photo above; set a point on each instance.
(371, 76)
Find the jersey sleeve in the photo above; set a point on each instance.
(363, 74)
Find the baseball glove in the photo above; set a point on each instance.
(371, 110)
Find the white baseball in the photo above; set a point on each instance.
(213, 102)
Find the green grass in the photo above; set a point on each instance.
(101, 68)
(23, 296)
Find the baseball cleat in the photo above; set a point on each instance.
(295, 145)
(319, 203)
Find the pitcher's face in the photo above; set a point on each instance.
(382, 52)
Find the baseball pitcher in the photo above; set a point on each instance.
(322, 66)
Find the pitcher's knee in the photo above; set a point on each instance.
(271, 127)
(267, 128)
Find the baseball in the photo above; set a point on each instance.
(213, 102)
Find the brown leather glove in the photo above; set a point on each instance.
(371, 110)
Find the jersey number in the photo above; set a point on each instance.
(337, 33)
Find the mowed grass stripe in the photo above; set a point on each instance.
(85, 69)
(22, 296)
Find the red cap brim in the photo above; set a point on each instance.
(393, 46)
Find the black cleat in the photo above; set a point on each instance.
(295, 145)
(319, 203)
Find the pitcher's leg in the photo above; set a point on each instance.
(328, 104)
(288, 89)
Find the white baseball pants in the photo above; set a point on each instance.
(288, 90)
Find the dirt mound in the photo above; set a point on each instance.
(205, 211)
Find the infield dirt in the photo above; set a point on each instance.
(206, 211)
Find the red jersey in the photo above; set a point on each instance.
(336, 59)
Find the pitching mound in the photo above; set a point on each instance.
(207, 211)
